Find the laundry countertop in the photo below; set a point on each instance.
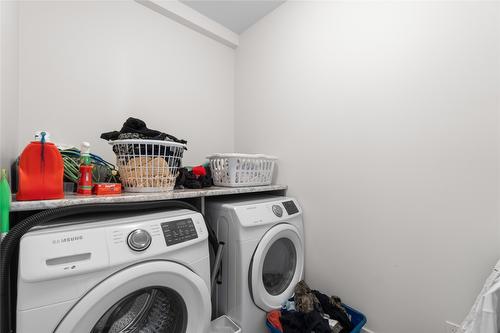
(75, 199)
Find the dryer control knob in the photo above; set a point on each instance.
(277, 210)
(139, 240)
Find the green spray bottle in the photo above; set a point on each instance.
(5, 198)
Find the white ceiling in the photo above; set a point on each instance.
(236, 15)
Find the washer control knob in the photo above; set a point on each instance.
(139, 240)
(277, 210)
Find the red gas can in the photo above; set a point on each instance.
(41, 171)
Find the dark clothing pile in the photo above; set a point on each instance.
(332, 306)
(198, 177)
(138, 127)
(135, 128)
(300, 322)
(310, 313)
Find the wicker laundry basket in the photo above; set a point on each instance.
(148, 165)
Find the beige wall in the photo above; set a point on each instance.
(385, 116)
(8, 82)
(85, 66)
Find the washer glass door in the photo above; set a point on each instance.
(153, 297)
(152, 309)
(277, 266)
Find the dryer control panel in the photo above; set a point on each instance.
(291, 207)
(267, 212)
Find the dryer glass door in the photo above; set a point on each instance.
(277, 266)
(156, 296)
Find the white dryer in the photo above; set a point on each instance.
(263, 256)
(141, 273)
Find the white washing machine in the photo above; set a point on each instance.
(141, 273)
(263, 256)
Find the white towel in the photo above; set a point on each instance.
(483, 317)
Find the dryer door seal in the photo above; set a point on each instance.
(277, 266)
(155, 296)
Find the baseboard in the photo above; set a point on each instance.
(366, 330)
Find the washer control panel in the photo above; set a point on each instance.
(139, 240)
(179, 231)
(80, 248)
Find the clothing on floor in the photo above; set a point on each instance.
(335, 326)
(300, 322)
(289, 305)
(332, 306)
(305, 300)
(273, 318)
(315, 312)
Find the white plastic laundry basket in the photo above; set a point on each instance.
(148, 165)
(237, 170)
